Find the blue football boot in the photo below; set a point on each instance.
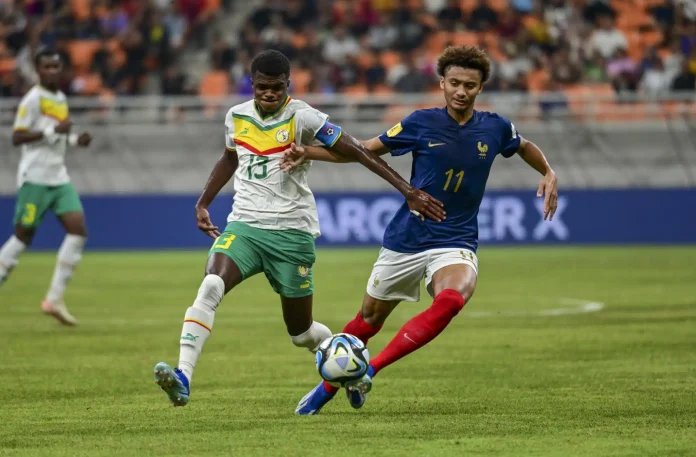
(314, 401)
(357, 390)
(173, 382)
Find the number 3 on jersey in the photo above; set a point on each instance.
(254, 163)
(459, 177)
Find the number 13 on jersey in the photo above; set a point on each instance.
(450, 173)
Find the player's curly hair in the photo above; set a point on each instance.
(271, 63)
(470, 57)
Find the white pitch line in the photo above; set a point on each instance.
(575, 306)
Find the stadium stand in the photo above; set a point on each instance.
(352, 46)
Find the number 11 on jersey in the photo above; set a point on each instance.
(459, 176)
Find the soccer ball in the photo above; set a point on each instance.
(342, 358)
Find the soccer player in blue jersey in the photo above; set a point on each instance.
(453, 149)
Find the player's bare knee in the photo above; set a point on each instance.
(25, 235)
(374, 311)
(223, 266)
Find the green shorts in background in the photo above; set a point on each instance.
(286, 257)
(33, 200)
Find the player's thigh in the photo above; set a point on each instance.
(297, 313)
(288, 258)
(33, 200)
(68, 208)
(396, 276)
(455, 269)
(234, 255)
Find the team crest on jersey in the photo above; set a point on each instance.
(22, 113)
(282, 136)
(395, 130)
(483, 149)
(302, 271)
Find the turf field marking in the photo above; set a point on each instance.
(571, 306)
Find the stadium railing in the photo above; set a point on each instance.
(168, 145)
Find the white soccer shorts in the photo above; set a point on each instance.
(397, 276)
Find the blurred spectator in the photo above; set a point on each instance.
(483, 17)
(173, 82)
(563, 69)
(607, 39)
(333, 45)
(411, 78)
(516, 64)
(622, 72)
(89, 28)
(221, 54)
(384, 33)
(685, 80)
(115, 21)
(340, 46)
(655, 80)
(509, 25)
(451, 16)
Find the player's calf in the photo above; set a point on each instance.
(311, 338)
(9, 255)
(198, 322)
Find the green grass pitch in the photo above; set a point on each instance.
(516, 374)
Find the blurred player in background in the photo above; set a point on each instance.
(274, 219)
(43, 128)
(453, 150)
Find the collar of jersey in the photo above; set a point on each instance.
(55, 94)
(274, 113)
(472, 121)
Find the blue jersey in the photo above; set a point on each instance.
(451, 162)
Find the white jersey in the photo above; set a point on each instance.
(265, 196)
(42, 162)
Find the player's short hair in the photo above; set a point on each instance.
(468, 57)
(271, 63)
(44, 52)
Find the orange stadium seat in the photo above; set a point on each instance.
(214, 84)
(390, 58)
(81, 8)
(301, 79)
(468, 5)
(465, 38)
(7, 64)
(82, 53)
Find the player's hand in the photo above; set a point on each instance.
(64, 126)
(293, 158)
(423, 205)
(205, 224)
(84, 139)
(548, 188)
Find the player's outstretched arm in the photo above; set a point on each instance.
(548, 186)
(296, 155)
(418, 201)
(221, 174)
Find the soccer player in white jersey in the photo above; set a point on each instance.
(42, 128)
(274, 219)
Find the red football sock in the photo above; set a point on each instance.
(363, 331)
(421, 329)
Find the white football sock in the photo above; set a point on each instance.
(311, 339)
(198, 322)
(9, 253)
(69, 256)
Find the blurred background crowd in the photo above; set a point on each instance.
(187, 47)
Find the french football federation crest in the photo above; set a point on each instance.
(483, 149)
